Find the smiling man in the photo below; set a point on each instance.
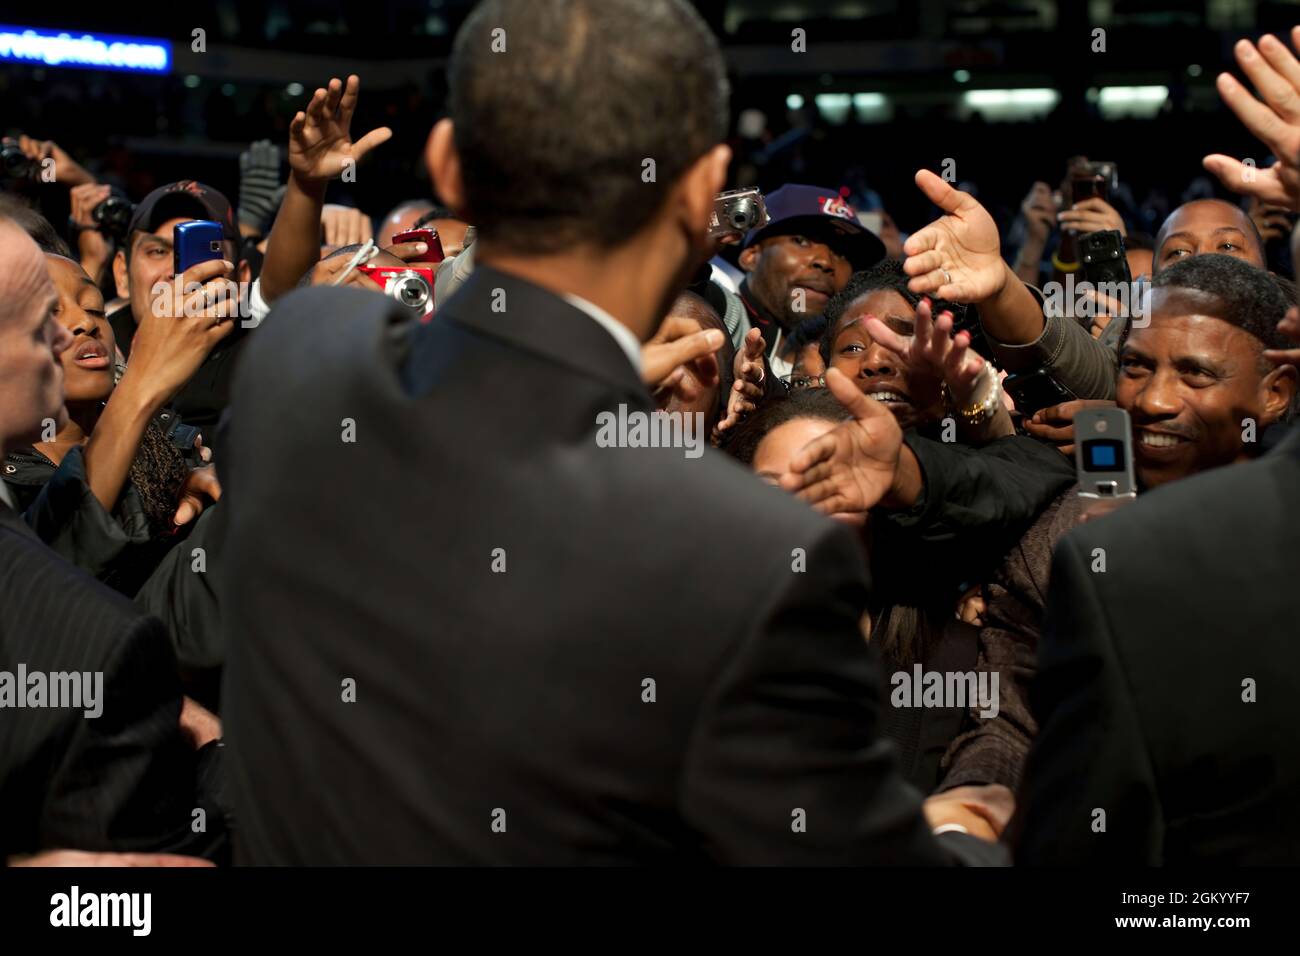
(1200, 392)
(1195, 381)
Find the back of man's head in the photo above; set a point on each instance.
(573, 118)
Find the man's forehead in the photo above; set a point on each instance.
(1194, 317)
(25, 273)
(1204, 215)
(166, 230)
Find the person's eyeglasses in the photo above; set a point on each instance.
(806, 381)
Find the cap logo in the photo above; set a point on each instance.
(836, 206)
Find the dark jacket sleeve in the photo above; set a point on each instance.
(128, 781)
(994, 749)
(1001, 486)
(975, 505)
(786, 764)
(1090, 790)
(181, 594)
(1084, 365)
(68, 517)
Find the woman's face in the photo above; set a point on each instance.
(878, 372)
(774, 453)
(88, 361)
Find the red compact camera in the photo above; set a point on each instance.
(411, 284)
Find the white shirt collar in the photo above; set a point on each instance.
(622, 334)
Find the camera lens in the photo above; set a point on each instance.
(15, 163)
(411, 290)
(113, 216)
(742, 216)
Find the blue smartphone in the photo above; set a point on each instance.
(195, 241)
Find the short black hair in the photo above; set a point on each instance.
(553, 130)
(819, 403)
(437, 212)
(808, 331)
(885, 274)
(1245, 295)
(30, 221)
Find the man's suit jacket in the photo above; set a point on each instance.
(125, 780)
(471, 635)
(1168, 682)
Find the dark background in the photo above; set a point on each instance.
(142, 131)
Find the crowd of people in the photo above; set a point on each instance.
(402, 573)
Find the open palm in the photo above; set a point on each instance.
(1274, 118)
(963, 241)
(320, 138)
(853, 466)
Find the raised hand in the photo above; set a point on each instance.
(66, 169)
(958, 256)
(344, 225)
(190, 315)
(749, 370)
(854, 466)
(934, 349)
(1274, 119)
(1091, 215)
(678, 340)
(320, 137)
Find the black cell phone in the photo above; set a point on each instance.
(1036, 390)
(198, 240)
(1102, 258)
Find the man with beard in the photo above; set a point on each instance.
(794, 264)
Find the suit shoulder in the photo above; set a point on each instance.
(48, 596)
(753, 516)
(1201, 508)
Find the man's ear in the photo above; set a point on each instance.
(120, 275)
(443, 163)
(1279, 388)
(749, 257)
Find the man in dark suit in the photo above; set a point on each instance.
(484, 635)
(92, 755)
(1167, 683)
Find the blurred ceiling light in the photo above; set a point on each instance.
(794, 102)
(1030, 103)
(834, 107)
(1141, 102)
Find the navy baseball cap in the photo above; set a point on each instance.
(186, 199)
(821, 214)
